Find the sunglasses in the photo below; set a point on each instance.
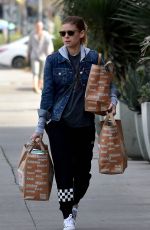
(69, 32)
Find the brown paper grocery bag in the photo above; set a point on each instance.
(97, 95)
(35, 172)
(112, 155)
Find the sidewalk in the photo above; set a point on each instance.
(119, 202)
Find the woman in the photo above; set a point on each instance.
(70, 129)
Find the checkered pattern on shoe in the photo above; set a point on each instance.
(65, 195)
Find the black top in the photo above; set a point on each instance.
(74, 114)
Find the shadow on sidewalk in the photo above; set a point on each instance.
(24, 89)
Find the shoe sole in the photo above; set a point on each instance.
(69, 228)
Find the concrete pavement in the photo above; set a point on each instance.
(119, 202)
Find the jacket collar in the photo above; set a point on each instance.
(64, 53)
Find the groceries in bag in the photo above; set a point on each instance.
(112, 155)
(35, 172)
(97, 95)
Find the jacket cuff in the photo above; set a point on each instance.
(114, 100)
(41, 125)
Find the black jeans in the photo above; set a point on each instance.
(72, 151)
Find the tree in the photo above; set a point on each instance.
(111, 30)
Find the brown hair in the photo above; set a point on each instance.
(79, 23)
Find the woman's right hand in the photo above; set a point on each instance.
(36, 136)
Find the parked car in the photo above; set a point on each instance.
(6, 25)
(14, 54)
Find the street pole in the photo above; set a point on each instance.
(9, 21)
(40, 10)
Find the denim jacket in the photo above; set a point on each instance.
(58, 75)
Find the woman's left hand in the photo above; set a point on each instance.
(112, 108)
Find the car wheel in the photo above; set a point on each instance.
(18, 62)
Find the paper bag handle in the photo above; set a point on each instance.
(40, 143)
(110, 116)
(99, 58)
(31, 145)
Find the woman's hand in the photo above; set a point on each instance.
(112, 108)
(36, 136)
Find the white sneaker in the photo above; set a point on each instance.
(69, 223)
(74, 212)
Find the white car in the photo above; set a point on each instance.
(14, 54)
